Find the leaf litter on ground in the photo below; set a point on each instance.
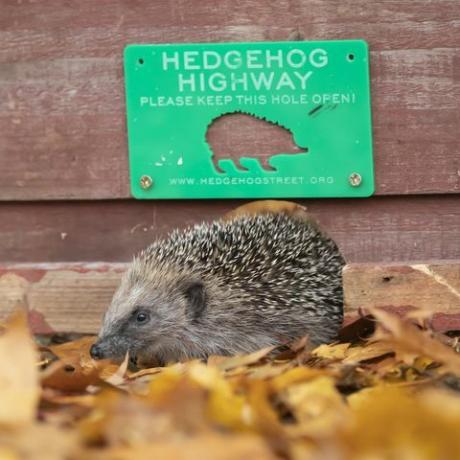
(389, 388)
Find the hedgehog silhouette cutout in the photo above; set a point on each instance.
(258, 140)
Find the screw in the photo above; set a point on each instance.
(355, 179)
(146, 182)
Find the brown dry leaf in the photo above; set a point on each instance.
(75, 376)
(268, 207)
(265, 371)
(244, 360)
(75, 369)
(84, 400)
(119, 376)
(358, 330)
(76, 350)
(408, 342)
(334, 402)
(19, 384)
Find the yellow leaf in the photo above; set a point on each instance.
(337, 351)
(244, 360)
(421, 363)
(364, 353)
(390, 422)
(223, 406)
(19, 388)
(208, 446)
(317, 406)
(39, 441)
(8, 454)
(295, 376)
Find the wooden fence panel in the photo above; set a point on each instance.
(371, 230)
(62, 119)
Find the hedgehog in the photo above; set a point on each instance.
(227, 287)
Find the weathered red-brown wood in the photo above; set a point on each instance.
(423, 290)
(62, 297)
(73, 297)
(371, 230)
(61, 84)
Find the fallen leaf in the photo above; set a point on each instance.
(371, 350)
(39, 442)
(76, 350)
(337, 351)
(210, 446)
(119, 376)
(388, 422)
(19, 384)
(295, 376)
(358, 330)
(75, 369)
(408, 341)
(244, 360)
(317, 406)
(380, 398)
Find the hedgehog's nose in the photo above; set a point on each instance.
(96, 352)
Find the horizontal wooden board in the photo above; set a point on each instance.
(62, 298)
(73, 297)
(61, 84)
(369, 230)
(419, 287)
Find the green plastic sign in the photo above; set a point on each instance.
(318, 91)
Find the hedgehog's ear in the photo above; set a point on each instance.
(196, 296)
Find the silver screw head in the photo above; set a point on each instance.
(355, 179)
(146, 182)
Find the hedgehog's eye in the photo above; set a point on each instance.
(141, 317)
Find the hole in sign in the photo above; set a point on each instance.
(141, 61)
(235, 135)
(351, 57)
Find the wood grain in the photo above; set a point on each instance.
(372, 230)
(61, 84)
(73, 297)
(432, 287)
(70, 298)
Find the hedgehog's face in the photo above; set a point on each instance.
(148, 319)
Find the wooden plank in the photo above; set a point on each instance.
(61, 84)
(431, 287)
(380, 229)
(61, 298)
(391, 24)
(73, 297)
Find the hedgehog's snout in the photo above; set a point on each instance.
(109, 347)
(96, 352)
